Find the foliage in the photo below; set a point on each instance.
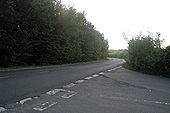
(145, 54)
(43, 32)
(122, 53)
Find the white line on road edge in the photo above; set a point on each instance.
(88, 78)
(69, 85)
(25, 100)
(53, 92)
(79, 81)
(156, 102)
(114, 68)
(2, 109)
(69, 94)
(95, 75)
(44, 106)
(139, 100)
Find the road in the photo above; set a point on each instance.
(16, 85)
(91, 88)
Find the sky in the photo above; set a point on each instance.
(113, 17)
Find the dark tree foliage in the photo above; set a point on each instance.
(43, 32)
(145, 54)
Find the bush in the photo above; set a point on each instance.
(145, 54)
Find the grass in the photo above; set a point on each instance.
(16, 68)
(125, 65)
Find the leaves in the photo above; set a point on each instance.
(145, 54)
(43, 32)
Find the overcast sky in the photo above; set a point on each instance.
(113, 17)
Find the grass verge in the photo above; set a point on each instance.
(125, 65)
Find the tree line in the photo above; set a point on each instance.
(146, 54)
(121, 53)
(43, 32)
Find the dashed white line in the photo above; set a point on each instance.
(25, 100)
(2, 109)
(35, 97)
(53, 92)
(95, 75)
(88, 78)
(69, 85)
(44, 106)
(79, 81)
(101, 73)
(114, 68)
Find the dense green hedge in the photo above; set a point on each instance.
(145, 54)
(42, 32)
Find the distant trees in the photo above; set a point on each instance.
(145, 54)
(42, 32)
(121, 53)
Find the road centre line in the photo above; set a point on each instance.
(88, 78)
(79, 81)
(95, 75)
(114, 68)
(101, 73)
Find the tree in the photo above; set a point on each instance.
(43, 32)
(146, 54)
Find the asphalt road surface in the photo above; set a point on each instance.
(90, 88)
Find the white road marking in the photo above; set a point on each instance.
(44, 106)
(35, 97)
(95, 75)
(69, 94)
(156, 102)
(101, 73)
(109, 70)
(69, 85)
(114, 68)
(140, 100)
(79, 81)
(88, 78)
(2, 109)
(53, 92)
(25, 100)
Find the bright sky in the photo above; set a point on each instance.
(113, 17)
